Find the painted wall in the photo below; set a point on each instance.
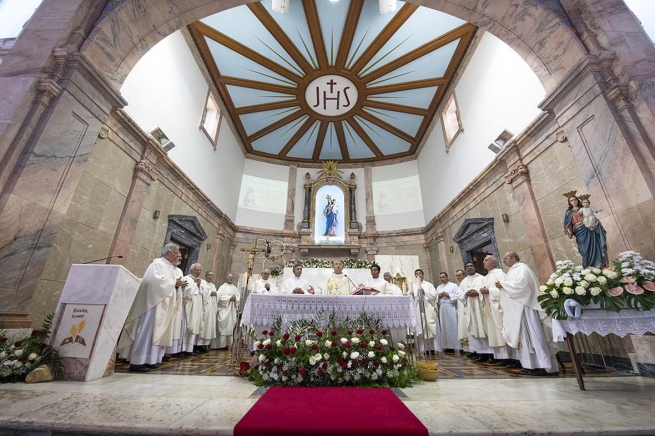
(166, 89)
(497, 91)
(263, 195)
(397, 197)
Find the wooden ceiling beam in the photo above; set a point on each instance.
(341, 138)
(349, 28)
(265, 107)
(405, 86)
(419, 52)
(271, 25)
(296, 137)
(254, 84)
(320, 138)
(276, 125)
(367, 139)
(388, 127)
(396, 107)
(314, 24)
(244, 51)
(389, 30)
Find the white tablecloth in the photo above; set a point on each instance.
(627, 321)
(392, 311)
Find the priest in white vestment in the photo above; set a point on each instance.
(392, 288)
(493, 312)
(148, 330)
(469, 295)
(228, 301)
(179, 318)
(426, 292)
(336, 283)
(447, 299)
(462, 320)
(296, 284)
(263, 285)
(209, 311)
(193, 308)
(523, 317)
(376, 282)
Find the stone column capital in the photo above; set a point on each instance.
(517, 176)
(48, 91)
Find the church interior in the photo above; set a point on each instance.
(248, 138)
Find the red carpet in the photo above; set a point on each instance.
(328, 411)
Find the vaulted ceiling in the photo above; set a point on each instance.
(331, 80)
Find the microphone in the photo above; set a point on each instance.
(106, 258)
(350, 281)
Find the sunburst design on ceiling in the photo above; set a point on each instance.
(331, 80)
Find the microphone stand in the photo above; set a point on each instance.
(350, 293)
(105, 258)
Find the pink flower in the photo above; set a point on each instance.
(628, 279)
(615, 292)
(650, 286)
(634, 288)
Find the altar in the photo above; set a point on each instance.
(394, 312)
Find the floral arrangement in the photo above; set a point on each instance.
(19, 358)
(276, 271)
(305, 355)
(630, 283)
(318, 263)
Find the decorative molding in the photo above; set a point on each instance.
(473, 233)
(620, 96)
(145, 172)
(104, 132)
(561, 136)
(77, 62)
(187, 231)
(48, 91)
(517, 175)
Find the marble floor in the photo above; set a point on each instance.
(177, 404)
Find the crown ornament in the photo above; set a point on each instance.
(570, 194)
(584, 197)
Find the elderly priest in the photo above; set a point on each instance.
(148, 328)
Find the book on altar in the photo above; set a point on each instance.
(365, 290)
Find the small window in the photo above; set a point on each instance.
(211, 119)
(451, 121)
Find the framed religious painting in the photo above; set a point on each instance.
(329, 215)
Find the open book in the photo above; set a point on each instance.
(365, 290)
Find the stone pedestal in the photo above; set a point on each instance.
(89, 318)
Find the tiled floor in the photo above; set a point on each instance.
(450, 367)
(175, 404)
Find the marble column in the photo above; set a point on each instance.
(523, 194)
(430, 266)
(144, 174)
(218, 249)
(289, 218)
(443, 256)
(230, 258)
(39, 190)
(368, 187)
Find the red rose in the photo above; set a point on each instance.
(319, 334)
(243, 367)
(256, 366)
(340, 359)
(269, 347)
(344, 365)
(384, 332)
(285, 373)
(370, 332)
(22, 358)
(319, 372)
(378, 347)
(297, 338)
(347, 345)
(265, 332)
(314, 347)
(324, 365)
(267, 364)
(376, 364)
(334, 343)
(333, 332)
(363, 362)
(3, 340)
(404, 363)
(285, 336)
(354, 363)
(43, 346)
(286, 351)
(350, 332)
(17, 344)
(360, 331)
(362, 345)
(260, 346)
(293, 350)
(271, 333)
(393, 349)
(302, 372)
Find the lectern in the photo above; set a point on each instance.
(89, 318)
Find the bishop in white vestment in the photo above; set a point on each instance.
(447, 294)
(296, 284)
(336, 283)
(263, 285)
(148, 331)
(523, 317)
(210, 310)
(493, 312)
(469, 295)
(422, 290)
(228, 301)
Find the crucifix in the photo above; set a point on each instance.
(253, 252)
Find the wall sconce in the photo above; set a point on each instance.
(505, 218)
(501, 141)
(386, 6)
(281, 6)
(451, 249)
(156, 215)
(160, 137)
(208, 247)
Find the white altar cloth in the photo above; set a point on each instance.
(392, 311)
(627, 321)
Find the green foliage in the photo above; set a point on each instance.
(318, 263)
